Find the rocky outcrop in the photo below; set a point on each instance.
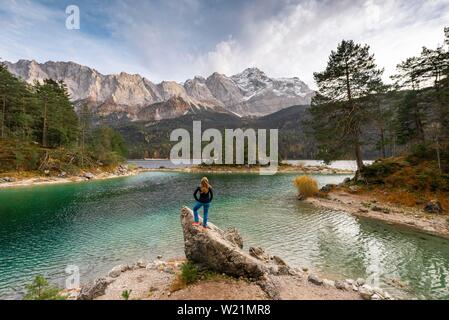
(250, 92)
(93, 289)
(212, 249)
(222, 251)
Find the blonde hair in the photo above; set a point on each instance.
(204, 185)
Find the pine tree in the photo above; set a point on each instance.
(338, 110)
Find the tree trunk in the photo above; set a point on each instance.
(358, 155)
(438, 156)
(357, 149)
(45, 125)
(382, 143)
(3, 117)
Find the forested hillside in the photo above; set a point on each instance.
(39, 130)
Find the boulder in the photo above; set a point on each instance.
(315, 279)
(433, 206)
(360, 282)
(341, 284)
(376, 297)
(88, 176)
(93, 289)
(141, 263)
(259, 253)
(270, 286)
(327, 188)
(233, 235)
(354, 189)
(366, 292)
(116, 271)
(210, 249)
(329, 283)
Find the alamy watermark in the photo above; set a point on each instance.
(190, 150)
(73, 20)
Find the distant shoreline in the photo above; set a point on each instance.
(38, 180)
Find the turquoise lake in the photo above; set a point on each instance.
(97, 225)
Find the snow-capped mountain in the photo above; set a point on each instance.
(249, 93)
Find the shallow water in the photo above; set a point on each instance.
(99, 224)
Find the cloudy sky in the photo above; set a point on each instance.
(177, 39)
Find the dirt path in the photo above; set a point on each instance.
(365, 206)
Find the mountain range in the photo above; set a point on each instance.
(250, 93)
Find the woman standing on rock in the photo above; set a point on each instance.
(204, 200)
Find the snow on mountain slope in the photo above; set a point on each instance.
(249, 93)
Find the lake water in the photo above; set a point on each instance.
(97, 225)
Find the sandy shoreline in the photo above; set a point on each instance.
(364, 206)
(51, 180)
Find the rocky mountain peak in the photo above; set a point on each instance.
(249, 93)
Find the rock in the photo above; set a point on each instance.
(350, 281)
(93, 289)
(354, 189)
(141, 263)
(259, 253)
(159, 264)
(125, 267)
(282, 267)
(9, 179)
(347, 180)
(363, 210)
(433, 206)
(312, 278)
(159, 257)
(341, 284)
(380, 209)
(366, 292)
(88, 176)
(300, 197)
(211, 250)
(270, 286)
(379, 292)
(329, 283)
(327, 188)
(233, 235)
(279, 261)
(63, 174)
(47, 172)
(116, 271)
(360, 281)
(376, 297)
(305, 269)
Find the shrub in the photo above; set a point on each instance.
(126, 294)
(40, 289)
(189, 272)
(307, 186)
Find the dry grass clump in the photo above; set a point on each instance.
(307, 186)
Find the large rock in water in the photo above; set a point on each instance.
(216, 250)
(221, 251)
